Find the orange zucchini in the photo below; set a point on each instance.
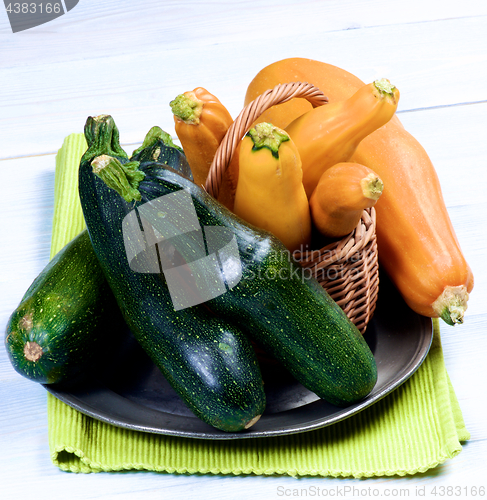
(416, 240)
(270, 193)
(417, 243)
(201, 121)
(342, 194)
(330, 134)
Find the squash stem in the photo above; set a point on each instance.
(451, 305)
(266, 135)
(385, 90)
(123, 178)
(384, 86)
(187, 107)
(372, 186)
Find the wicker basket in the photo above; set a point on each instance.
(348, 268)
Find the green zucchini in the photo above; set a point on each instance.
(266, 293)
(65, 319)
(208, 361)
(158, 146)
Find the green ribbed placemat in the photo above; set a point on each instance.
(417, 427)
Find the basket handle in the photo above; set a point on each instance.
(279, 94)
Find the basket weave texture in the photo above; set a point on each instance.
(348, 268)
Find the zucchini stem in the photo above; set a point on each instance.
(252, 422)
(103, 137)
(154, 135)
(123, 178)
(33, 351)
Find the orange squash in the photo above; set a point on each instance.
(343, 192)
(330, 134)
(337, 84)
(416, 240)
(201, 121)
(270, 192)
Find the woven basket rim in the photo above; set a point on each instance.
(279, 94)
(345, 247)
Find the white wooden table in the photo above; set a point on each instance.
(129, 59)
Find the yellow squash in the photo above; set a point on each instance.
(270, 193)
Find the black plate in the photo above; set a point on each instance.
(135, 395)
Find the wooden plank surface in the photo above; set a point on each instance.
(136, 81)
(130, 59)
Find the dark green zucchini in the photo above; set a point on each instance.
(66, 318)
(288, 313)
(209, 362)
(155, 148)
